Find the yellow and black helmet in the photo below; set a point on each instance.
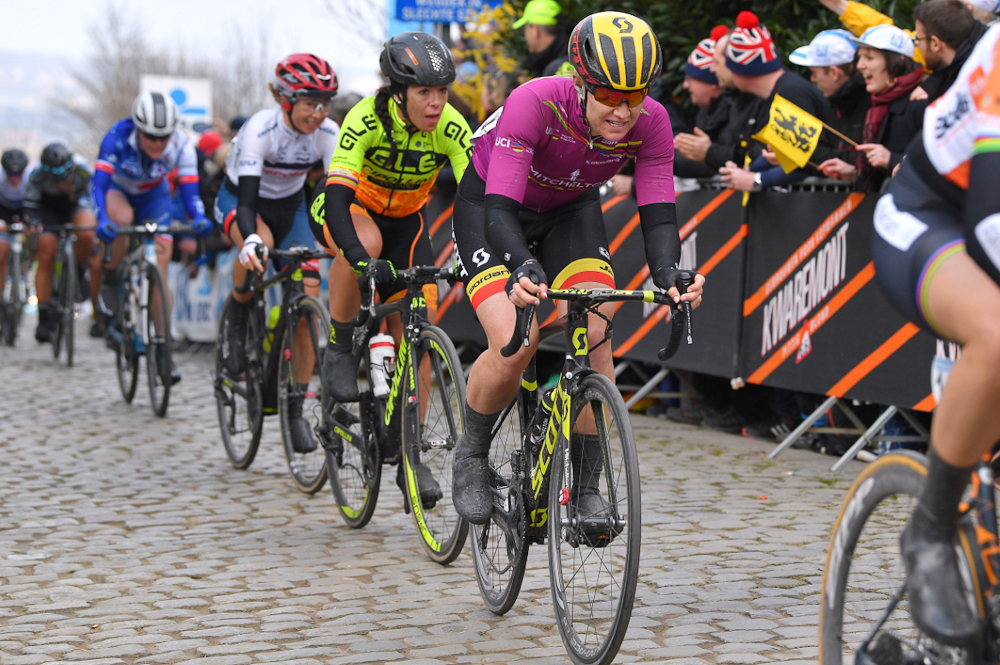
(615, 50)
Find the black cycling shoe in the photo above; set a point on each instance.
(302, 436)
(233, 335)
(338, 374)
(99, 327)
(938, 603)
(43, 333)
(430, 490)
(470, 485)
(175, 374)
(594, 514)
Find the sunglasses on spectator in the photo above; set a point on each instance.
(156, 139)
(613, 98)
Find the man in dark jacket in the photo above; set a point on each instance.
(547, 36)
(945, 33)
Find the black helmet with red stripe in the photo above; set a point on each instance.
(302, 75)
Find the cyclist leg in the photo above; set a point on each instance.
(121, 213)
(234, 325)
(924, 268)
(4, 252)
(339, 378)
(45, 255)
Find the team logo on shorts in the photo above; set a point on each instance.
(480, 257)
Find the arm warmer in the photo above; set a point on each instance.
(246, 204)
(503, 230)
(337, 210)
(660, 235)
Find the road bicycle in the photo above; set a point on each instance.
(864, 615)
(14, 290)
(140, 317)
(538, 478)
(279, 378)
(66, 292)
(418, 421)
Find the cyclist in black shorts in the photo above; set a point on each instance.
(937, 257)
(57, 194)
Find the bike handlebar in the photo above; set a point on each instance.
(680, 315)
(415, 275)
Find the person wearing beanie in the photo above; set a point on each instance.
(752, 58)
(830, 58)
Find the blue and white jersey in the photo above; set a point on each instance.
(12, 196)
(268, 148)
(122, 164)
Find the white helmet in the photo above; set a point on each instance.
(155, 114)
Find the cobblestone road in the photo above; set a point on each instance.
(125, 538)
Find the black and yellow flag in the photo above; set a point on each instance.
(792, 134)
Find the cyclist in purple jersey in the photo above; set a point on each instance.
(530, 207)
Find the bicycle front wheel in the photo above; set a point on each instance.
(353, 457)
(594, 554)
(499, 547)
(13, 302)
(238, 399)
(864, 577)
(159, 361)
(432, 423)
(66, 315)
(300, 393)
(130, 345)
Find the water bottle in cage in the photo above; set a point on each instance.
(381, 362)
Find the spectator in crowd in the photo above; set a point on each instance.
(756, 68)
(945, 32)
(702, 83)
(885, 60)
(497, 85)
(341, 105)
(830, 58)
(547, 36)
(984, 11)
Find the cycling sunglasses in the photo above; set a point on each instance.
(156, 139)
(613, 98)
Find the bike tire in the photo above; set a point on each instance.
(127, 352)
(500, 558)
(593, 570)
(864, 568)
(308, 468)
(159, 358)
(67, 309)
(14, 303)
(239, 400)
(432, 421)
(353, 455)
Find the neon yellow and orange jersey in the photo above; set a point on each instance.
(361, 159)
(965, 120)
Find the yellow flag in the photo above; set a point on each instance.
(792, 133)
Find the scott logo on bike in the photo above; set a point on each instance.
(402, 361)
(560, 418)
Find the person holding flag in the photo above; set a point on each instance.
(752, 58)
(885, 60)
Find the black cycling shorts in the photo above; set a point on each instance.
(570, 242)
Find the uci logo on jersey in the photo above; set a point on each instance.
(510, 144)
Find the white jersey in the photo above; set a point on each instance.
(267, 147)
(967, 113)
(11, 196)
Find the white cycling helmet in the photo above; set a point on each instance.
(155, 114)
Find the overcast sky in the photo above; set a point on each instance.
(60, 27)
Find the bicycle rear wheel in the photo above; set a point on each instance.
(239, 400)
(128, 350)
(308, 467)
(159, 361)
(594, 563)
(431, 424)
(864, 571)
(353, 456)
(499, 547)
